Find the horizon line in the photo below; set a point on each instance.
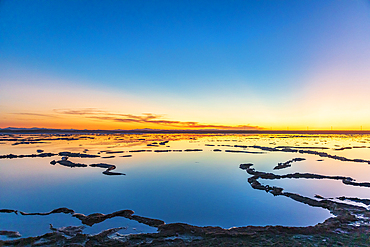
(38, 130)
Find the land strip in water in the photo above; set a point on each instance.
(349, 226)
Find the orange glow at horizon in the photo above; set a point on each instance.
(50, 103)
(78, 122)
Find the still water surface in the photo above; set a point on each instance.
(203, 188)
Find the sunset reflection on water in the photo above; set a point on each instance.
(204, 187)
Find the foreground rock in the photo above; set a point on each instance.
(68, 230)
(94, 218)
(68, 163)
(345, 213)
(65, 162)
(329, 233)
(55, 211)
(80, 155)
(355, 199)
(40, 153)
(10, 234)
(108, 167)
(287, 163)
(99, 217)
(13, 156)
(303, 150)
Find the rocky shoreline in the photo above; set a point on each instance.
(335, 231)
(350, 225)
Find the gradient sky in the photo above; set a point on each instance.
(185, 64)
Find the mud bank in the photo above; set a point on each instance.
(65, 162)
(335, 231)
(302, 150)
(350, 225)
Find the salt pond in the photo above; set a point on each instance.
(193, 179)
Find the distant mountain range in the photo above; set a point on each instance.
(36, 130)
(145, 130)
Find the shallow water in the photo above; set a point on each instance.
(203, 188)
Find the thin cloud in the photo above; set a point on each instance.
(35, 114)
(85, 111)
(147, 118)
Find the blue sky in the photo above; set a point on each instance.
(195, 53)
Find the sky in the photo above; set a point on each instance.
(260, 64)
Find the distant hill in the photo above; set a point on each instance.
(36, 130)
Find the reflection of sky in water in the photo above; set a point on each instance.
(200, 188)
